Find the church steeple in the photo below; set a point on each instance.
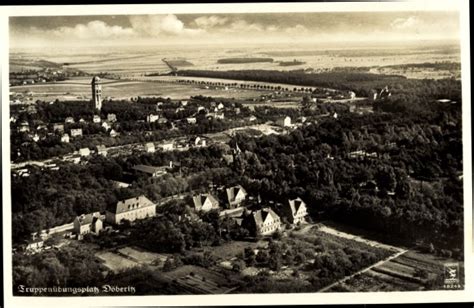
(96, 92)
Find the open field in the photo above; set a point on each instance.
(122, 89)
(128, 62)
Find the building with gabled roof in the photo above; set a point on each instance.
(65, 138)
(284, 122)
(235, 196)
(102, 150)
(88, 223)
(261, 222)
(205, 202)
(69, 120)
(131, 209)
(295, 211)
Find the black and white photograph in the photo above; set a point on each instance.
(243, 150)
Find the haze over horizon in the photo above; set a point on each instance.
(252, 28)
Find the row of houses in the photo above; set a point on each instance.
(262, 221)
(111, 117)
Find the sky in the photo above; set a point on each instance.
(168, 29)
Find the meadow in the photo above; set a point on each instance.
(125, 89)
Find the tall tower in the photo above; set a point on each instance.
(96, 92)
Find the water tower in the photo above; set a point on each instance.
(96, 92)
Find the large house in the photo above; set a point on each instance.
(235, 196)
(88, 223)
(205, 202)
(151, 170)
(262, 222)
(295, 211)
(131, 209)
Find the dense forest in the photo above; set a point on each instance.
(405, 182)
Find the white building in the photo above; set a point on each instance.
(102, 150)
(96, 119)
(151, 118)
(106, 125)
(88, 223)
(84, 152)
(111, 117)
(69, 120)
(65, 138)
(150, 147)
(76, 132)
(131, 209)
(200, 142)
(168, 146)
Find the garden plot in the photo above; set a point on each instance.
(116, 262)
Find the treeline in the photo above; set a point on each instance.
(243, 60)
(438, 65)
(336, 80)
(360, 82)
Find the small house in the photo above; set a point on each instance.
(111, 117)
(76, 132)
(84, 152)
(88, 223)
(65, 138)
(205, 202)
(150, 147)
(102, 150)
